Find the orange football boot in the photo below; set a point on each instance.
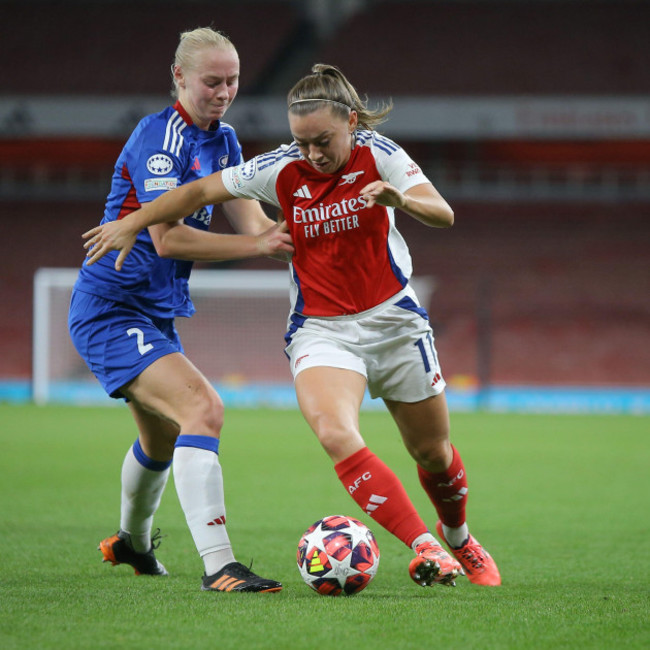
(477, 563)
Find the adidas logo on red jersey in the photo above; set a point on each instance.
(303, 192)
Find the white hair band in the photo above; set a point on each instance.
(318, 99)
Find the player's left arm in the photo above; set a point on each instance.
(246, 216)
(182, 242)
(422, 202)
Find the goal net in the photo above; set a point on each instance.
(236, 337)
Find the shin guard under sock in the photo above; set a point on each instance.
(143, 483)
(379, 493)
(199, 484)
(447, 491)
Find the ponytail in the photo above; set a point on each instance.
(327, 85)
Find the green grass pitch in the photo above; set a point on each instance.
(560, 501)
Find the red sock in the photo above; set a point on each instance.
(374, 486)
(447, 491)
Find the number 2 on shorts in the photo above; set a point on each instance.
(143, 347)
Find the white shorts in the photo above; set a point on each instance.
(391, 345)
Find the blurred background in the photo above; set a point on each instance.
(532, 117)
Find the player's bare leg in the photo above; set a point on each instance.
(330, 400)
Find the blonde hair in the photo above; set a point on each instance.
(328, 86)
(190, 43)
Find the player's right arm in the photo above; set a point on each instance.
(169, 207)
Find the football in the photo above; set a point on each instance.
(338, 556)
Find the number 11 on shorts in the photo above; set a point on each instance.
(425, 359)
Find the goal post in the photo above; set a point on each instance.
(52, 289)
(236, 337)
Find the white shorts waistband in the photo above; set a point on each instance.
(406, 291)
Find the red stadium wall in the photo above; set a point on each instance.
(552, 292)
(557, 292)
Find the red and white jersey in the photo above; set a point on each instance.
(348, 257)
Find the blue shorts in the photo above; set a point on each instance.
(116, 341)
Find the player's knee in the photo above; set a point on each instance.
(335, 437)
(213, 414)
(205, 414)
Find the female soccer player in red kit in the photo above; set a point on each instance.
(355, 322)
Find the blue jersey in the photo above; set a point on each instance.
(165, 150)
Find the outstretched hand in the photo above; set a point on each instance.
(275, 240)
(110, 236)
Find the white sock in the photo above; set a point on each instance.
(216, 560)
(425, 537)
(142, 489)
(199, 484)
(456, 537)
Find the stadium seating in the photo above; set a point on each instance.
(491, 48)
(388, 47)
(113, 48)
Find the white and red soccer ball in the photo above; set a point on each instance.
(338, 555)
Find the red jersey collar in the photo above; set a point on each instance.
(186, 117)
(183, 113)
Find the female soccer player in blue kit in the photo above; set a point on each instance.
(355, 322)
(122, 323)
